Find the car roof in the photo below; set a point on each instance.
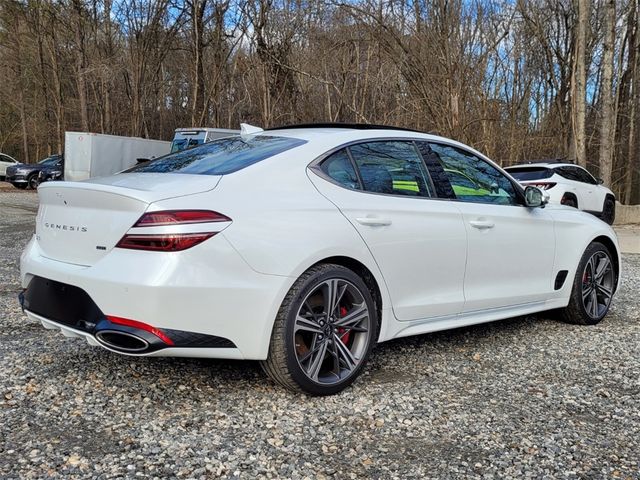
(327, 136)
(346, 132)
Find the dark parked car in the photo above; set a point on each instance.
(25, 175)
(53, 173)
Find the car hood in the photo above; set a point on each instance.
(29, 167)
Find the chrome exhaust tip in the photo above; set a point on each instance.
(122, 341)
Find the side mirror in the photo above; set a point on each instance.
(534, 197)
(600, 181)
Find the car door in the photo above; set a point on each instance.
(511, 248)
(592, 197)
(574, 185)
(418, 242)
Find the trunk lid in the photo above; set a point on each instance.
(81, 222)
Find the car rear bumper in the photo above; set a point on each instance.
(201, 352)
(210, 303)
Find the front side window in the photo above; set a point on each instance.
(391, 167)
(222, 156)
(472, 179)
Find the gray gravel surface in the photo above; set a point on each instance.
(522, 398)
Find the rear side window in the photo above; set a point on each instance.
(585, 176)
(391, 167)
(221, 157)
(567, 172)
(576, 174)
(530, 173)
(339, 167)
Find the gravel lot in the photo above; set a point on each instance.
(526, 397)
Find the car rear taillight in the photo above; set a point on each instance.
(179, 217)
(163, 243)
(171, 241)
(543, 185)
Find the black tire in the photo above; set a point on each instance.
(579, 310)
(609, 211)
(21, 186)
(284, 365)
(32, 181)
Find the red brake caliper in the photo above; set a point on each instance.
(342, 332)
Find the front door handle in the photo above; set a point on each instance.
(481, 224)
(373, 221)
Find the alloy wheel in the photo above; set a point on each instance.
(332, 331)
(597, 284)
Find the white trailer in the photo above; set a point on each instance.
(190, 137)
(88, 155)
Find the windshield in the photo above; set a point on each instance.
(49, 161)
(221, 157)
(530, 173)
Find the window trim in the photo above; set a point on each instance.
(315, 166)
(354, 165)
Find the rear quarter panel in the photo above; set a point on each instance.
(281, 225)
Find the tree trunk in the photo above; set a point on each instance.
(106, 76)
(44, 80)
(58, 96)
(633, 156)
(198, 90)
(80, 63)
(608, 123)
(579, 84)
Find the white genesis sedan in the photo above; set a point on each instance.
(302, 247)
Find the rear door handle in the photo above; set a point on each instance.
(373, 221)
(481, 224)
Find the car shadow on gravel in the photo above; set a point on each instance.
(160, 377)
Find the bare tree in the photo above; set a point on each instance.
(579, 84)
(633, 141)
(519, 81)
(608, 119)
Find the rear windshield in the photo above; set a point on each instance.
(222, 156)
(530, 173)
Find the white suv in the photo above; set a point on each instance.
(570, 185)
(6, 161)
